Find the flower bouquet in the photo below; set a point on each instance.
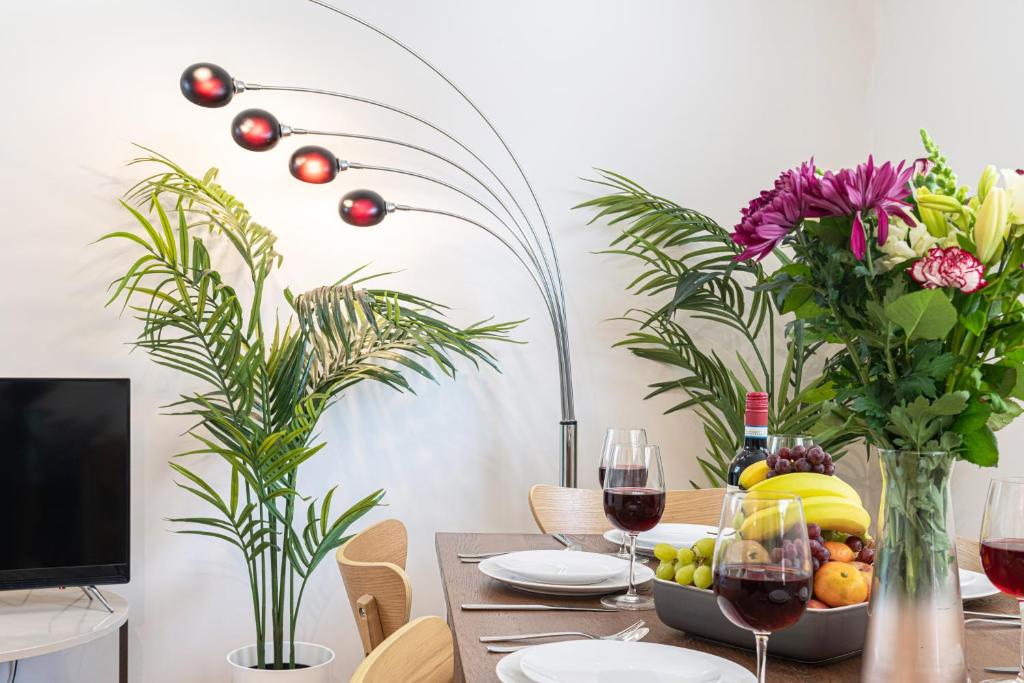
(916, 282)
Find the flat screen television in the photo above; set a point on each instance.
(64, 477)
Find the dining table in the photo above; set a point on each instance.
(987, 644)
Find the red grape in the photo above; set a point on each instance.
(776, 555)
(772, 460)
(802, 465)
(813, 530)
(830, 469)
(826, 554)
(818, 469)
(784, 467)
(784, 453)
(771, 473)
(798, 452)
(815, 564)
(866, 555)
(855, 543)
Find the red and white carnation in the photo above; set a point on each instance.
(949, 267)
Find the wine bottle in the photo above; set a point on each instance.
(755, 437)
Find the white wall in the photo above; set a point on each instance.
(703, 102)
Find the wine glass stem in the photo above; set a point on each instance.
(761, 639)
(632, 560)
(1020, 674)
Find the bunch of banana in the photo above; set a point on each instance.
(829, 502)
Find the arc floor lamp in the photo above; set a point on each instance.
(507, 221)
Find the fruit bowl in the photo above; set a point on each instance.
(820, 635)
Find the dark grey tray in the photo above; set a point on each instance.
(820, 635)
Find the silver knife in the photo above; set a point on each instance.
(1002, 669)
(536, 608)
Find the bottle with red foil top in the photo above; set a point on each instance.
(755, 437)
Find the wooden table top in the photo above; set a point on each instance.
(463, 583)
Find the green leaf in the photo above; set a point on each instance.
(797, 297)
(1000, 378)
(974, 321)
(926, 314)
(974, 417)
(980, 447)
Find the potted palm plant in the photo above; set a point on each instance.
(264, 385)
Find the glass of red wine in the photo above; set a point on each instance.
(634, 500)
(762, 564)
(1002, 543)
(613, 436)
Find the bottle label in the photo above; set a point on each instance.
(756, 431)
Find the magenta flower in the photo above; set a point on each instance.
(854, 192)
(774, 213)
(950, 267)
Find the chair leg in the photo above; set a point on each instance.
(368, 619)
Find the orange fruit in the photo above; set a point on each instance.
(840, 552)
(838, 584)
(867, 572)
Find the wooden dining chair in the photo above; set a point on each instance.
(419, 652)
(557, 509)
(372, 565)
(968, 554)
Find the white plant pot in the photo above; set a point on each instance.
(317, 658)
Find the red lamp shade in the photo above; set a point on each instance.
(362, 208)
(256, 130)
(207, 85)
(313, 164)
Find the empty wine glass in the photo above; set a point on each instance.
(762, 564)
(790, 441)
(1002, 543)
(634, 436)
(634, 500)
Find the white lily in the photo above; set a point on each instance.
(906, 242)
(1014, 182)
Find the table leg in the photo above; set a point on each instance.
(122, 652)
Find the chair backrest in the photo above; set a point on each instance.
(372, 565)
(419, 652)
(968, 554)
(581, 511)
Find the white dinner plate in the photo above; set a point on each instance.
(491, 568)
(676, 535)
(594, 661)
(562, 568)
(974, 585)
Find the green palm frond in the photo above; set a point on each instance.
(263, 392)
(688, 266)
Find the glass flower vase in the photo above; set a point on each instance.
(915, 617)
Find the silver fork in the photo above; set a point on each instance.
(627, 636)
(552, 634)
(478, 557)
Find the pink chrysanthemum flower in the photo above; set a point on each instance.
(854, 192)
(774, 213)
(950, 267)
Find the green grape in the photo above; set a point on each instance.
(685, 556)
(664, 552)
(684, 575)
(704, 548)
(666, 570)
(702, 577)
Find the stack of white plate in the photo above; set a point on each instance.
(599, 661)
(676, 535)
(563, 572)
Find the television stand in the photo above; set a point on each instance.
(45, 620)
(94, 592)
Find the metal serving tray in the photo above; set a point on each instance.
(820, 635)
